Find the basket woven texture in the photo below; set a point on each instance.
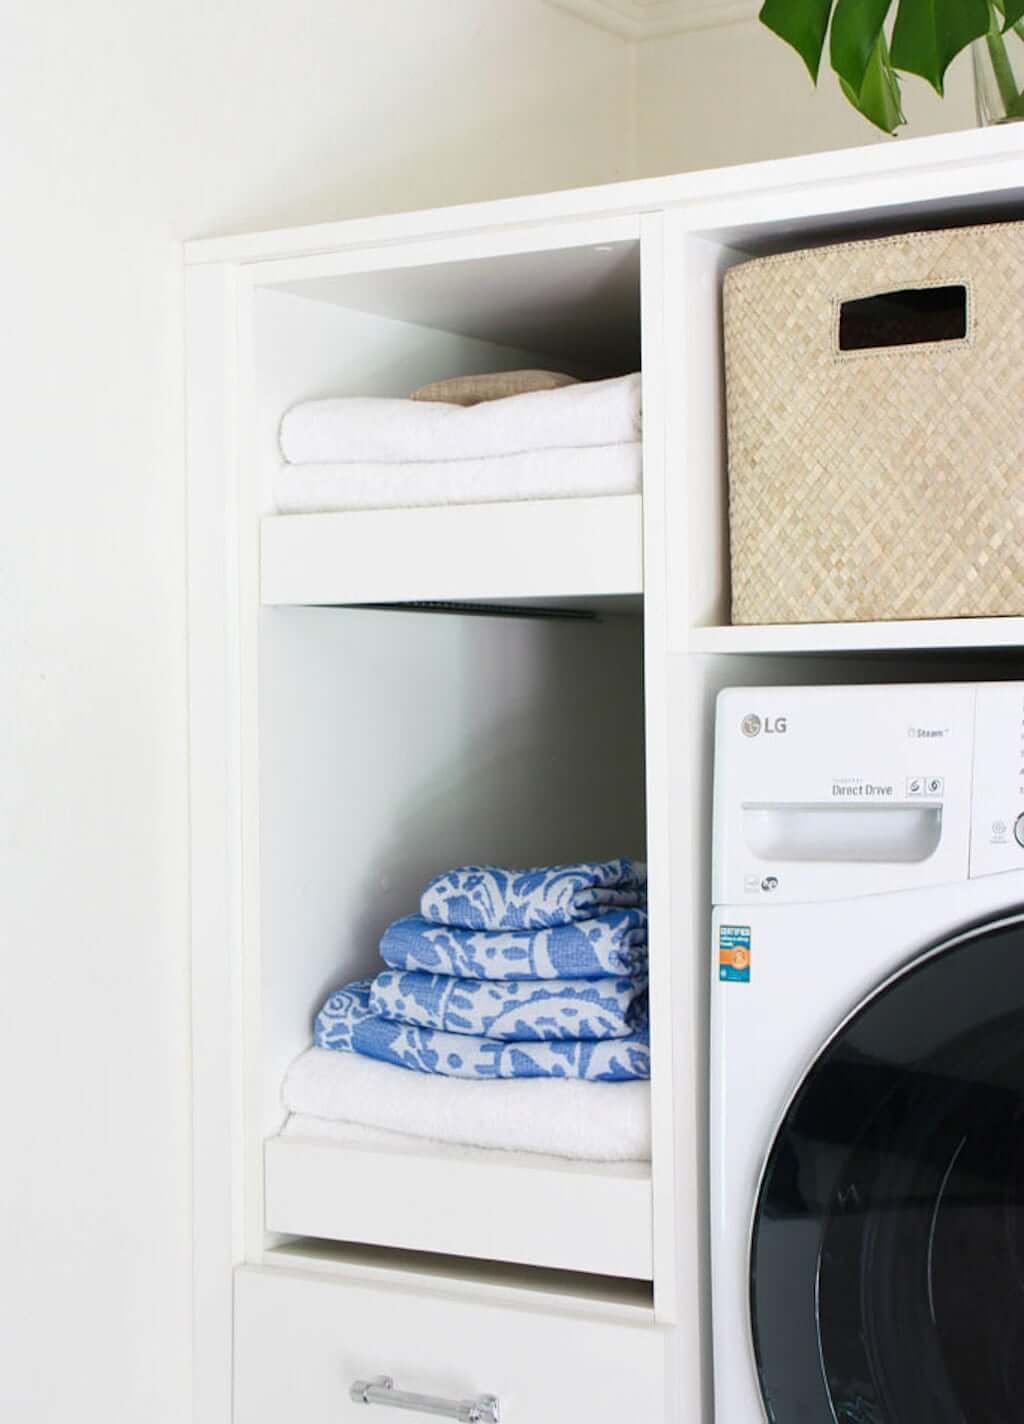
(877, 484)
(474, 390)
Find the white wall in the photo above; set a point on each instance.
(735, 94)
(126, 126)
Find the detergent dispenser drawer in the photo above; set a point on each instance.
(875, 835)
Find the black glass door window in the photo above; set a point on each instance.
(887, 1261)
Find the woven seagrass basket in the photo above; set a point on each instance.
(875, 397)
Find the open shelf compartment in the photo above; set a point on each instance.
(565, 297)
(723, 236)
(395, 745)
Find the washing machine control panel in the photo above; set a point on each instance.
(823, 793)
(997, 820)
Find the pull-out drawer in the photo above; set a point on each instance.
(570, 1216)
(302, 1341)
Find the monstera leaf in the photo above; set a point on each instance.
(924, 38)
(929, 34)
(860, 57)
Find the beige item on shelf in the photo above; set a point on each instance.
(473, 390)
(884, 481)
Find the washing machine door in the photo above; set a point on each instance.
(887, 1257)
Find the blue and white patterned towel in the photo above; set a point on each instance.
(611, 943)
(515, 1010)
(346, 1022)
(485, 897)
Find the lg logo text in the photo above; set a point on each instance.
(753, 725)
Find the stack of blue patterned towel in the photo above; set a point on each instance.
(509, 974)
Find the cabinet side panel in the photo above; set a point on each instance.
(213, 698)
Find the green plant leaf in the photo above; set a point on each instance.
(929, 34)
(802, 24)
(878, 98)
(1016, 109)
(1013, 12)
(856, 25)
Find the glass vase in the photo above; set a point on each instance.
(999, 75)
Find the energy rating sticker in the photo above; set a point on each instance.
(734, 953)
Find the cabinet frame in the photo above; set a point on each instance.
(685, 224)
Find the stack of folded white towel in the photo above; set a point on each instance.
(380, 453)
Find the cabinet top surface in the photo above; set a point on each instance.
(974, 160)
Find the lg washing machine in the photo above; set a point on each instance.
(867, 1074)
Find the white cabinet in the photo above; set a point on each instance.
(302, 1342)
(350, 737)
(379, 695)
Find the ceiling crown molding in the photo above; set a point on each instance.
(650, 19)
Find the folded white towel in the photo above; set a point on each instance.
(358, 429)
(352, 1134)
(604, 1122)
(322, 1129)
(542, 474)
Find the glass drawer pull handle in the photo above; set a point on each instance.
(482, 1410)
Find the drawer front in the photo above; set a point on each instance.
(302, 1340)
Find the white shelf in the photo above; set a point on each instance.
(574, 552)
(947, 634)
(540, 1211)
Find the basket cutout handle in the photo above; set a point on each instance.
(912, 316)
